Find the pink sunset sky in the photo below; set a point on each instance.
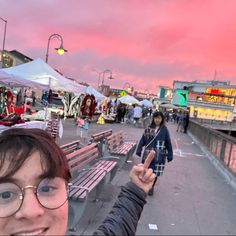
(145, 43)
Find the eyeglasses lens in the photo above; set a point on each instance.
(52, 193)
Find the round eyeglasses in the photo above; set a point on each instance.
(51, 193)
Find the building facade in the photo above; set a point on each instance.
(13, 58)
(213, 100)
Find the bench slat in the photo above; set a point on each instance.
(78, 152)
(107, 165)
(90, 177)
(116, 146)
(89, 180)
(70, 147)
(75, 166)
(98, 137)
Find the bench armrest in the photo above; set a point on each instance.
(89, 168)
(98, 168)
(110, 158)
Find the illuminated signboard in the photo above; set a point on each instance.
(180, 97)
(215, 91)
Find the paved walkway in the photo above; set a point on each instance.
(191, 198)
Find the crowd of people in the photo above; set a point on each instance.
(129, 113)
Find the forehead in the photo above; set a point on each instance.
(30, 170)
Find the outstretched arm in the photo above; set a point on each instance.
(124, 216)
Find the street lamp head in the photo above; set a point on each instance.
(61, 50)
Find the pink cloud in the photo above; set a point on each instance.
(147, 43)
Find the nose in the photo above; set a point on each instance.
(30, 207)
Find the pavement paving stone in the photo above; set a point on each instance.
(191, 198)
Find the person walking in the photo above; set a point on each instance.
(156, 137)
(186, 121)
(130, 113)
(180, 123)
(137, 113)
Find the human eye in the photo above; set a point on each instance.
(47, 190)
(8, 194)
(47, 187)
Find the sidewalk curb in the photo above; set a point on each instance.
(230, 178)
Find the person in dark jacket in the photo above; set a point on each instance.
(186, 121)
(34, 177)
(156, 137)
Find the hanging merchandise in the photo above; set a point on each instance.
(101, 120)
(88, 107)
(8, 107)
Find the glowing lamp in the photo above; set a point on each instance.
(61, 50)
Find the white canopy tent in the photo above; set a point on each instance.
(129, 100)
(40, 72)
(169, 105)
(92, 91)
(146, 103)
(16, 81)
(98, 96)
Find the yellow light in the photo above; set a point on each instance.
(60, 51)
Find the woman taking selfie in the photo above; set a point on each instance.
(34, 177)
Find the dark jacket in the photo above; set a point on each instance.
(163, 135)
(124, 216)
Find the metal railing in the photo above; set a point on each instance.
(222, 146)
(216, 124)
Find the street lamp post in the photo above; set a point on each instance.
(104, 72)
(4, 39)
(99, 76)
(105, 89)
(61, 50)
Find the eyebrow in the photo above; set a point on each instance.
(15, 180)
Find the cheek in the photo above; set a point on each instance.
(59, 221)
(3, 226)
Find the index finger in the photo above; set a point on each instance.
(149, 159)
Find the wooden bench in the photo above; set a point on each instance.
(117, 146)
(100, 138)
(89, 174)
(53, 128)
(70, 147)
